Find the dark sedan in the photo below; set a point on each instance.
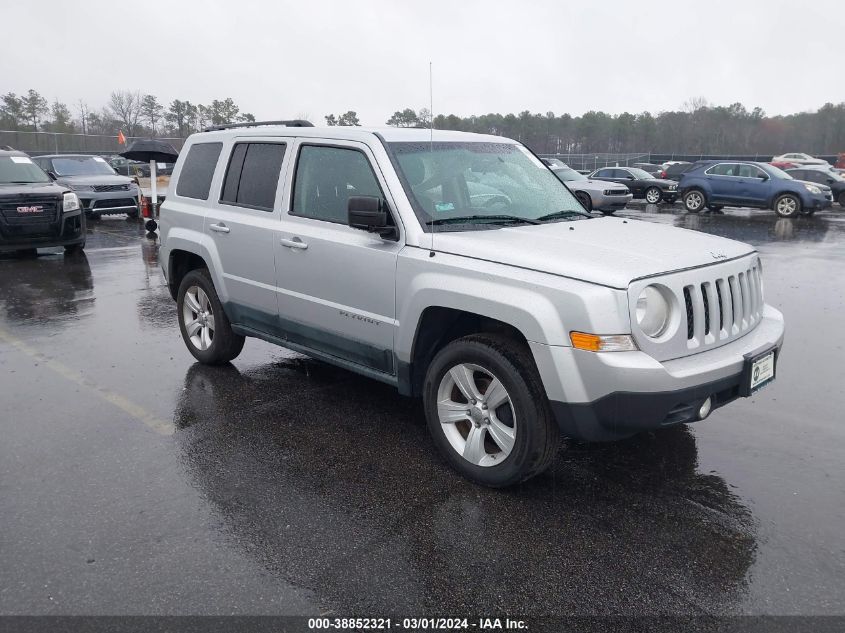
(641, 183)
(101, 190)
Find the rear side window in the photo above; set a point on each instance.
(750, 171)
(325, 179)
(604, 173)
(198, 170)
(253, 175)
(723, 169)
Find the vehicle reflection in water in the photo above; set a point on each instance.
(45, 289)
(761, 228)
(156, 309)
(332, 482)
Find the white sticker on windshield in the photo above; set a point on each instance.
(537, 162)
(99, 159)
(161, 165)
(21, 159)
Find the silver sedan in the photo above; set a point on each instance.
(598, 195)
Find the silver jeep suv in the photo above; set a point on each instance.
(458, 268)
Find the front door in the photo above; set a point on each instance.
(242, 222)
(336, 284)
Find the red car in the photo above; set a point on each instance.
(783, 164)
(840, 162)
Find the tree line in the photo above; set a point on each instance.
(697, 128)
(128, 111)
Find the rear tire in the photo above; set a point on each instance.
(715, 208)
(694, 200)
(517, 437)
(841, 199)
(74, 249)
(653, 195)
(585, 200)
(205, 327)
(788, 205)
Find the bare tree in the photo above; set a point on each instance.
(125, 107)
(84, 111)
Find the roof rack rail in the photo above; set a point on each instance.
(290, 123)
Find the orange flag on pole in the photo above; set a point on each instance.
(120, 138)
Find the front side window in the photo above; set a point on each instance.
(81, 166)
(475, 185)
(750, 171)
(638, 174)
(253, 175)
(326, 177)
(198, 170)
(20, 170)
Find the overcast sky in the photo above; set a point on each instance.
(283, 59)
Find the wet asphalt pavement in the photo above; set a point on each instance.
(134, 481)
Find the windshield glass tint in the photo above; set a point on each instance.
(639, 174)
(81, 166)
(20, 169)
(454, 180)
(567, 174)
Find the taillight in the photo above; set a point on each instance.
(663, 174)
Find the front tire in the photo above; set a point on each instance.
(585, 200)
(653, 195)
(487, 410)
(205, 328)
(841, 199)
(694, 200)
(788, 205)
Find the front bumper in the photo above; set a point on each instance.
(68, 230)
(602, 202)
(109, 202)
(612, 395)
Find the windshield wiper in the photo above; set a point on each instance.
(492, 219)
(560, 215)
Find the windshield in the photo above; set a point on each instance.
(81, 166)
(775, 172)
(480, 185)
(568, 174)
(20, 169)
(639, 174)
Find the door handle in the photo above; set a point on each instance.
(219, 228)
(295, 243)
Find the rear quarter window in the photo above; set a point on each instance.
(198, 170)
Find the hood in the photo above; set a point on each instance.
(594, 185)
(607, 251)
(99, 179)
(31, 189)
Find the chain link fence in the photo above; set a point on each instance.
(594, 161)
(36, 143)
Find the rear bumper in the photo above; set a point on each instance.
(606, 396)
(67, 231)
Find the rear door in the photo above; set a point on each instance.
(336, 284)
(724, 183)
(241, 221)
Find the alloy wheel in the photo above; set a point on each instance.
(652, 196)
(476, 414)
(694, 201)
(787, 206)
(198, 317)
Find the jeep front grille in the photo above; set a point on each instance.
(735, 302)
(712, 306)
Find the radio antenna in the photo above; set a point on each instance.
(431, 138)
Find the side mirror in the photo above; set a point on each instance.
(763, 178)
(52, 175)
(368, 213)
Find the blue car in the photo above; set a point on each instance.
(714, 184)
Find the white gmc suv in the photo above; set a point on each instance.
(458, 268)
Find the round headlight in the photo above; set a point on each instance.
(652, 312)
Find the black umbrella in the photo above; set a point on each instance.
(150, 149)
(154, 151)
